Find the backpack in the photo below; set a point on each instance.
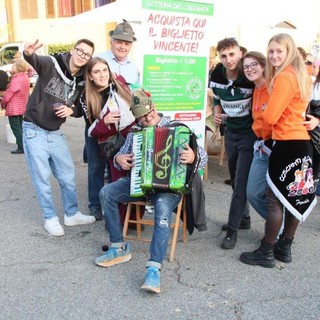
(314, 109)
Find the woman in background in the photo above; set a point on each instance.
(15, 100)
(4, 81)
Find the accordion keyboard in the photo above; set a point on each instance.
(135, 188)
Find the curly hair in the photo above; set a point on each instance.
(227, 43)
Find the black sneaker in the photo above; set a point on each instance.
(97, 213)
(18, 151)
(244, 224)
(230, 240)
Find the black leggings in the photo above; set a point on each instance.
(275, 218)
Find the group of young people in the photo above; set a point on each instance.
(79, 84)
(267, 115)
(261, 100)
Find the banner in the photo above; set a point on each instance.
(175, 63)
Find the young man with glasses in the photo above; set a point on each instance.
(232, 106)
(164, 202)
(59, 84)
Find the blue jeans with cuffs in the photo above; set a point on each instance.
(164, 204)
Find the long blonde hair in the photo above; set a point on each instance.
(294, 59)
(93, 97)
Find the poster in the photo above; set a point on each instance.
(175, 63)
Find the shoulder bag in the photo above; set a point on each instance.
(111, 146)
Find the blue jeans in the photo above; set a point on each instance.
(164, 204)
(96, 169)
(47, 153)
(239, 148)
(257, 183)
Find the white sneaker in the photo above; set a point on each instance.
(54, 227)
(78, 219)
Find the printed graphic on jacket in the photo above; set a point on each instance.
(290, 176)
(303, 183)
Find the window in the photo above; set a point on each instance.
(82, 6)
(50, 9)
(100, 3)
(28, 9)
(68, 8)
(65, 8)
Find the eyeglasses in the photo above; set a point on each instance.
(81, 53)
(251, 66)
(149, 114)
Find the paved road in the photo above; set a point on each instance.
(43, 277)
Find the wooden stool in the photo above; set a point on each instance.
(221, 155)
(139, 222)
(223, 152)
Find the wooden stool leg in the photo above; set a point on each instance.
(205, 174)
(175, 232)
(185, 230)
(223, 152)
(138, 218)
(126, 221)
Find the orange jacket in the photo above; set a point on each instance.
(259, 102)
(285, 110)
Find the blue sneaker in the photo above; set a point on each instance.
(114, 256)
(152, 282)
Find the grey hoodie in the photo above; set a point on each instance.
(55, 84)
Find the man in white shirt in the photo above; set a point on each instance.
(121, 40)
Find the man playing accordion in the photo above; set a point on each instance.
(164, 201)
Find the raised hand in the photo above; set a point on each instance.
(31, 48)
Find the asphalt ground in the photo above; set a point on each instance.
(46, 277)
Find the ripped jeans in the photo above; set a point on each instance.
(164, 204)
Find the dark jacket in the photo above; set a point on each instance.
(55, 84)
(195, 205)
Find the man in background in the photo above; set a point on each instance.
(121, 41)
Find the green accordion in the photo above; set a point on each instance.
(157, 160)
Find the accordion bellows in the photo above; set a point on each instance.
(157, 160)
